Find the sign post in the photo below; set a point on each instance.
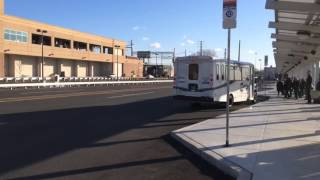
(266, 64)
(229, 22)
(266, 61)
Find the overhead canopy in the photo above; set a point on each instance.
(297, 35)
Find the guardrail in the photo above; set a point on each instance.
(13, 80)
(70, 84)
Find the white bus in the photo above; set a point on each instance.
(202, 79)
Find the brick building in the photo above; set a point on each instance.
(65, 51)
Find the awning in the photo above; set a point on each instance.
(297, 32)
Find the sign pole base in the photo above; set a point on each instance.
(227, 144)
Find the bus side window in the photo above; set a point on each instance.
(246, 73)
(222, 72)
(218, 72)
(237, 73)
(232, 73)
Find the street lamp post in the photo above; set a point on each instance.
(117, 48)
(156, 64)
(42, 53)
(255, 59)
(261, 74)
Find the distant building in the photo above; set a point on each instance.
(66, 52)
(270, 73)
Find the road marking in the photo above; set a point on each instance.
(130, 95)
(46, 97)
(43, 92)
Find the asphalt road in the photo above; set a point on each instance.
(111, 133)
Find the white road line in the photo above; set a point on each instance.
(78, 94)
(130, 95)
(43, 92)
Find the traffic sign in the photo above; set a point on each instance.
(229, 14)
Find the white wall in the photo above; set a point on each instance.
(21, 66)
(49, 68)
(67, 67)
(82, 69)
(120, 72)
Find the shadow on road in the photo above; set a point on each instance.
(28, 138)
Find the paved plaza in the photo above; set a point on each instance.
(277, 139)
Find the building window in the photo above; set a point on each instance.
(62, 43)
(36, 39)
(16, 36)
(80, 46)
(95, 48)
(107, 50)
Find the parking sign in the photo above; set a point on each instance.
(229, 14)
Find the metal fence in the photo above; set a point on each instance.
(12, 83)
(12, 80)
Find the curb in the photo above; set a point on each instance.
(223, 164)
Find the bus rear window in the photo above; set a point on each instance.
(193, 71)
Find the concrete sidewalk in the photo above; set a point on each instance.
(274, 140)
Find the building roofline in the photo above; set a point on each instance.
(59, 28)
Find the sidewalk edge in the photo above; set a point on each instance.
(213, 158)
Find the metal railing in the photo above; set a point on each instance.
(36, 82)
(12, 80)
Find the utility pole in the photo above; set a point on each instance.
(225, 53)
(185, 52)
(239, 52)
(201, 48)
(131, 48)
(255, 60)
(174, 55)
(156, 64)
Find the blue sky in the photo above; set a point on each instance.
(179, 24)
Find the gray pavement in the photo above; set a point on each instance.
(98, 133)
(278, 139)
